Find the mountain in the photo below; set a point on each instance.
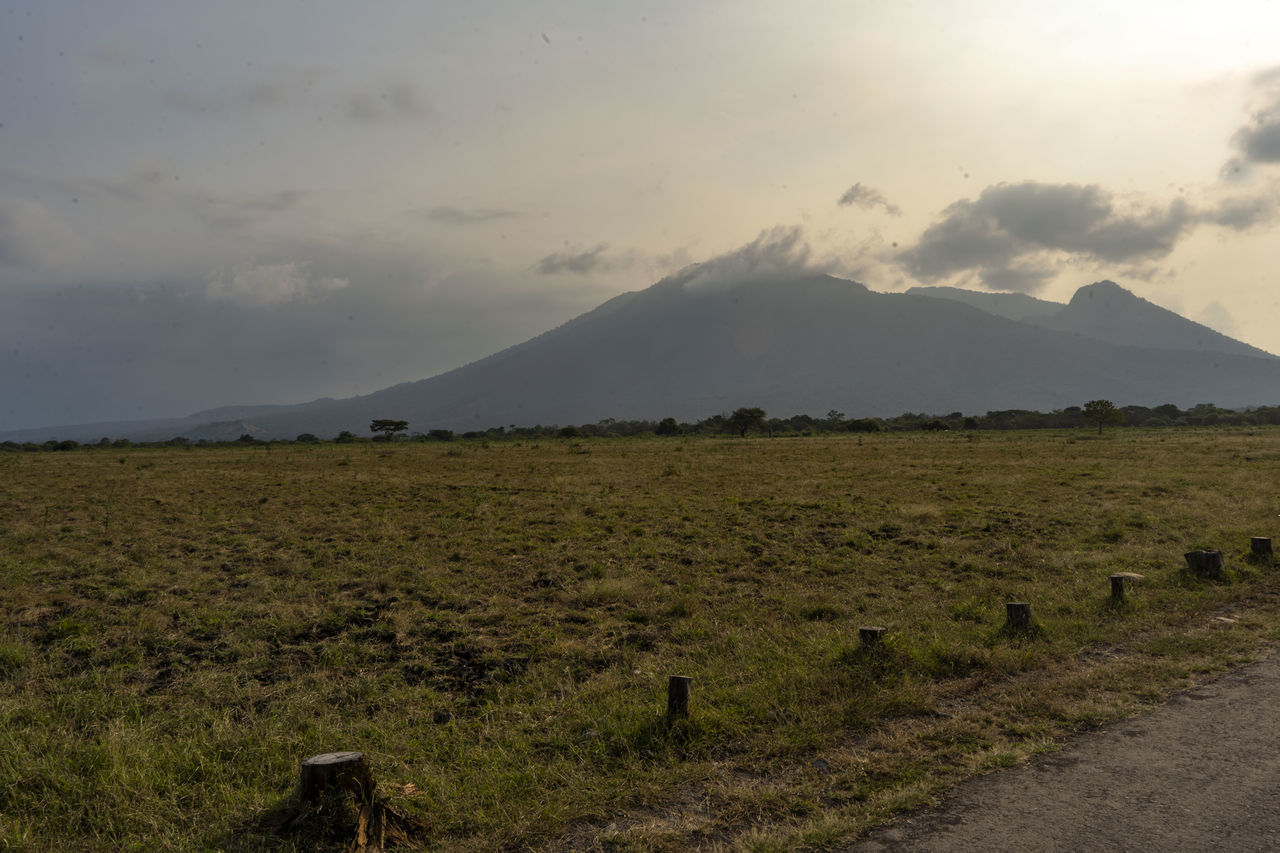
(1105, 311)
(1015, 306)
(688, 348)
(1108, 312)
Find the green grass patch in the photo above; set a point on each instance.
(494, 624)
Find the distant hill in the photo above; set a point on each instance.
(1015, 306)
(1105, 311)
(1108, 312)
(805, 344)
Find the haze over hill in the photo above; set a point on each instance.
(695, 344)
(1015, 306)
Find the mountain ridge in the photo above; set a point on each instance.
(690, 346)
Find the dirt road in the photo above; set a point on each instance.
(1201, 772)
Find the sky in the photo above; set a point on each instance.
(205, 204)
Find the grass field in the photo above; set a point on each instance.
(494, 625)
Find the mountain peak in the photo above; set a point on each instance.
(1105, 289)
(1108, 312)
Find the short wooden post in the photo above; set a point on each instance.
(678, 696)
(348, 771)
(1118, 582)
(1205, 563)
(870, 636)
(1017, 615)
(1261, 546)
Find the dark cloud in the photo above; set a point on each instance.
(1241, 213)
(1258, 140)
(579, 263)
(1013, 234)
(396, 101)
(275, 332)
(466, 216)
(863, 196)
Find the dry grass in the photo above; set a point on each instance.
(494, 624)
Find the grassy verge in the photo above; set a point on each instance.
(494, 626)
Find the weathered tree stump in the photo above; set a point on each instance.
(1260, 546)
(1208, 564)
(678, 696)
(348, 771)
(870, 636)
(1017, 615)
(1118, 582)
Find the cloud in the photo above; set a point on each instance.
(1217, 317)
(1242, 212)
(777, 253)
(142, 183)
(280, 89)
(471, 216)
(95, 351)
(239, 210)
(579, 263)
(395, 101)
(287, 88)
(1258, 140)
(1013, 234)
(869, 198)
(271, 284)
(31, 236)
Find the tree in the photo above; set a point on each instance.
(744, 419)
(1102, 412)
(668, 426)
(388, 427)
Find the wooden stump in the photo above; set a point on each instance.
(678, 696)
(1261, 546)
(870, 636)
(1118, 582)
(348, 771)
(1017, 615)
(1207, 564)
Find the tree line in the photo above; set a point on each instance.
(745, 420)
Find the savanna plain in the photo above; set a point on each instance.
(494, 624)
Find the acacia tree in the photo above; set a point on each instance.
(744, 419)
(388, 427)
(1102, 412)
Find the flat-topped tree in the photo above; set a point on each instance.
(388, 427)
(746, 418)
(1102, 412)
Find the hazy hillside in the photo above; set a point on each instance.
(686, 348)
(1015, 306)
(1108, 312)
